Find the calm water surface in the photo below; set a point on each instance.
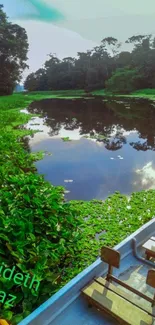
(119, 156)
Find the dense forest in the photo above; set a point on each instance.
(13, 53)
(105, 66)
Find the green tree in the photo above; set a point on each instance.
(143, 58)
(124, 59)
(111, 44)
(123, 81)
(36, 81)
(30, 83)
(13, 53)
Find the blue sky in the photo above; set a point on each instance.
(33, 10)
(65, 27)
(16, 7)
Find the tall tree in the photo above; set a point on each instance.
(143, 58)
(13, 53)
(36, 81)
(111, 44)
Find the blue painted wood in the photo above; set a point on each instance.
(67, 307)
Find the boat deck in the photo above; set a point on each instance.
(132, 272)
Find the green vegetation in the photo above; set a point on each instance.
(66, 139)
(98, 137)
(142, 93)
(123, 81)
(109, 222)
(24, 99)
(100, 92)
(75, 93)
(39, 232)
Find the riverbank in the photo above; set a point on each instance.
(143, 93)
(40, 233)
(79, 93)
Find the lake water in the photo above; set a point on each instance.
(119, 156)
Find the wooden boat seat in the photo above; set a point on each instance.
(116, 302)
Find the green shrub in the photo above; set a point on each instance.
(38, 230)
(123, 81)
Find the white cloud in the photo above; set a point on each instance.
(146, 176)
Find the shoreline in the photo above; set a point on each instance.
(148, 94)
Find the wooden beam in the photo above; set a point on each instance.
(116, 306)
(142, 305)
(125, 285)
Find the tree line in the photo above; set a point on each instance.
(105, 66)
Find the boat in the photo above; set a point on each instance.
(69, 305)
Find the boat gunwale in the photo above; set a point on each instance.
(54, 306)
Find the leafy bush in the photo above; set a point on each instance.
(38, 230)
(37, 235)
(123, 81)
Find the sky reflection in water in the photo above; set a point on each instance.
(123, 161)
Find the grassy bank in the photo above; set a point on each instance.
(71, 94)
(143, 93)
(53, 94)
(41, 234)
